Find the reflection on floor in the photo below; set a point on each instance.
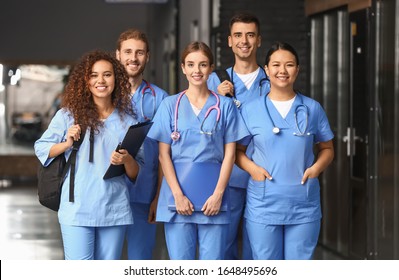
(29, 231)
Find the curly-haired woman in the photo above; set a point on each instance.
(96, 103)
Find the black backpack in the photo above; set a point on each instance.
(223, 76)
(51, 178)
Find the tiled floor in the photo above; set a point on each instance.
(29, 231)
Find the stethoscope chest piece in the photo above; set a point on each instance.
(276, 130)
(175, 135)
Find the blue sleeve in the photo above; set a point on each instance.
(164, 94)
(213, 82)
(162, 127)
(160, 92)
(235, 128)
(246, 140)
(160, 96)
(54, 134)
(324, 132)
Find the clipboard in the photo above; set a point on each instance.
(132, 142)
(198, 181)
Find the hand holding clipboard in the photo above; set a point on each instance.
(132, 142)
(197, 180)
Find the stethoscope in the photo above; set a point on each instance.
(235, 100)
(175, 135)
(299, 132)
(261, 83)
(143, 92)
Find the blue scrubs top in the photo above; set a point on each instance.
(98, 202)
(143, 189)
(239, 178)
(193, 146)
(285, 156)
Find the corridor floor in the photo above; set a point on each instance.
(29, 231)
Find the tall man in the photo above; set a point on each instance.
(247, 81)
(134, 53)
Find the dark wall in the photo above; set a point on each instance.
(282, 20)
(57, 32)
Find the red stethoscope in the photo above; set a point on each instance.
(150, 90)
(175, 135)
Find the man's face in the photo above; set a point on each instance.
(244, 40)
(134, 56)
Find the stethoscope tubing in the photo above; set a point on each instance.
(214, 107)
(236, 101)
(143, 91)
(175, 135)
(276, 130)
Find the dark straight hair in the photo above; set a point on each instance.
(281, 46)
(245, 17)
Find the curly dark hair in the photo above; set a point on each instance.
(78, 98)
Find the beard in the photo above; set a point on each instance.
(133, 72)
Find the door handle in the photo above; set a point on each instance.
(347, 139)
(350, 138)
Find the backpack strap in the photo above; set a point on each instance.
(71, 163)
(91, 145)
(223, 75)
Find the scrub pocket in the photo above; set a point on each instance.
(312, 189)
(293, 194)
(256, 189)
(271, 203)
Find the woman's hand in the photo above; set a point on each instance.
(73, 134)
(324, 158)
(183, 205)
(258, 173)
(120, 157)
(152, 213)
(311, 172)
(212, 205)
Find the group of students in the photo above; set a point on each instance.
(243, 145)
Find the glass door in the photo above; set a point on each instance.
(354, 74)
(339, 80)
(357, 133)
